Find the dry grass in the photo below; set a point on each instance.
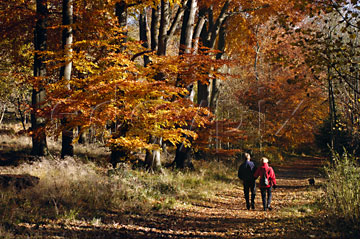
(76, 188)
(71, 189)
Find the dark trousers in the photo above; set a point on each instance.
(266, 200)
(249, 186)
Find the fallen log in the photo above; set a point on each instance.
(18, 181)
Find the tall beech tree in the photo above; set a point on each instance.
(38, 122)
(67, 41)
(182, 155)
(163, 27)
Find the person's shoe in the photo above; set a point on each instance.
(264, 208)
(248, 207)
(270, 208)
(252, 206)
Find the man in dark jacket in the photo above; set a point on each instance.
(246, 174)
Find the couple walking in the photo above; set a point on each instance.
(248, 173)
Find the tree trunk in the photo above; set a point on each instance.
(39, 145)
(164, 24)
(214, 91)
(122, 16)
(81, 135)
(332, 109)
(155, 21)
(153, 158)
(198, 29)
(143, 26)
(119, 153)
(183, 154)
(160, 36)
(183, 157)
(208, 38)
(159, 39)
(67, 148)
(3, 114)
(187, 30)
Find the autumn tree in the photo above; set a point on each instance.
(270, 70)
(117, 89)
(165, 19)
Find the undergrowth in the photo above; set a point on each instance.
(71, 189)
(342, 197)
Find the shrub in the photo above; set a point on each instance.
(4, 234)
(344, 138)
(342, 197)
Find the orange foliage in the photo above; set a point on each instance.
(112, 88)
(290, 102)
(109, 87)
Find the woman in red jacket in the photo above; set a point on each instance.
(265, 169)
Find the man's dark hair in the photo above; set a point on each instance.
(245, 152)
(249, 151)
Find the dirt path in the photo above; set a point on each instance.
(223, 217)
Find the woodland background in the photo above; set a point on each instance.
(156, 88)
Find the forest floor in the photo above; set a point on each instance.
(296, 214)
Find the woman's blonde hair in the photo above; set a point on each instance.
(264, 160)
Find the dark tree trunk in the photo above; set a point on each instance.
(155, 20)
(332, 109)
(119, 153)
(183, 154)
(164, 24)
(81, 135)
(67, 148)
(122, 16)
(187, 30)
(143, 29)
(183, 157)
(203, 94)
(121, 13)
(39, 146)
